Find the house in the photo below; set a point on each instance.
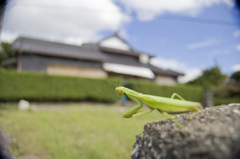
(109, 57)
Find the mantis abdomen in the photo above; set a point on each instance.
(170, 105)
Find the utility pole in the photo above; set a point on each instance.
(3, 4)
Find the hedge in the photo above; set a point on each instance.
(221, 101)
(42, 87)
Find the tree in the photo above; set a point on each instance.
(6, 52)
(236, 76)
(231, 89)
(211, 78)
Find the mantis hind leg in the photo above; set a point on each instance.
(174, 120)
(175, 94)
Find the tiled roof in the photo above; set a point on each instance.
(89, 51)
(40, 47)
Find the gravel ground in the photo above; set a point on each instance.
(215, 134)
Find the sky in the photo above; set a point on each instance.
(187, 36)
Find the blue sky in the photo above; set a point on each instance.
(191, 42)
(187, 36)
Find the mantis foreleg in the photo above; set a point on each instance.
(142, 113)
(133, 110)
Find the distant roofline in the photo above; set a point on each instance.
(19, 47)
(62, 50)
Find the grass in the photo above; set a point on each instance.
(74, 131)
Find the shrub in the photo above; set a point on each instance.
(42, 87)
(220, 101)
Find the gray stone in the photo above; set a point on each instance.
(4, 148)
(214, 134)
(23, 105)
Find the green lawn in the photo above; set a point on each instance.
(74, 131)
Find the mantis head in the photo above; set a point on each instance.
(119, 91)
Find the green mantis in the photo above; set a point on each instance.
(163, 105)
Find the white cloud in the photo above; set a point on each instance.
(71, 21)
(75, 21)
(8, 36)
(168, 63)
(202, 44)
(219, 52)
(236, 67)
(149, 9)
(238, 47)
(123, 33)
(236, 33)
(190, 73)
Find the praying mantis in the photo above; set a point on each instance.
(163, 105)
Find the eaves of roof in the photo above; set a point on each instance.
(168, 72)
(135, 62)
(40, 47)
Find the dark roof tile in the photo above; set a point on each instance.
(35, 46)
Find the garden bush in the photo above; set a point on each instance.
(43, 87)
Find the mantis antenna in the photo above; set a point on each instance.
(111, 83)
(121, 80)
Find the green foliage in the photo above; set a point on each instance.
(211, 78)
(43, 87)
(227, 91)
(192, 93)
(236, 76)
(231, 89)
(5, 51)
(220, 101)
(36, 86)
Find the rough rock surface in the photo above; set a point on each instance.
(4, 148)
(215, 134)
